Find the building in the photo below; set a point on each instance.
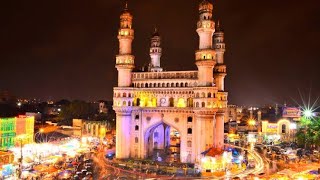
(281, 130)
(7, 98)
(84, 128)
(12, 127)
(231, 113)
(102, 107)
(155, 108)
(37, 116)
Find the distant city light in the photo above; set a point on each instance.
(252, 122)
(41, 130)
(308, 113)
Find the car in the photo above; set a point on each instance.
(110, 156)
(84, 172)
(88, 168)
(315, 153)
(122, 177)
(88, 164)
(307, 152)
(88, 161)
(76, 177)
(279, 152)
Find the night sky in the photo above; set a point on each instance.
(66, 48)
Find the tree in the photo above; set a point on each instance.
(76, 110)
(309, 133)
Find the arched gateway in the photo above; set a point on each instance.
(162, 143)
(170, 115)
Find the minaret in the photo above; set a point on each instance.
(125, 59)
(155, 52)
(124, 65)
(220, 48)
(205, 56)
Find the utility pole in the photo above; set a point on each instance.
(21, 157)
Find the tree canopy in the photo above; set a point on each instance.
(309, 133)
(76, 110)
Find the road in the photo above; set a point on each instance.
(107, 172)
(259, 166)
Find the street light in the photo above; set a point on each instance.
(20, 138)
(252, 122)
(41, 130)
(308, 113)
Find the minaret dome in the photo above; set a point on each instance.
(205, 10)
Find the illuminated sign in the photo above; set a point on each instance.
(272, 128)
(291, 112)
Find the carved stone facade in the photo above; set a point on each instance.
(149, 105)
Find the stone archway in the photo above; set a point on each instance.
(162, 143)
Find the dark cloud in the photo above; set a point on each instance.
(66, 49)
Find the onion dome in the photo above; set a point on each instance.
(205, 6)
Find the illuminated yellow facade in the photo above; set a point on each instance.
(12, 127)
(192, 102)
(283, 129)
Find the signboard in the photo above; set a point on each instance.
(291, 112)
(272, 128)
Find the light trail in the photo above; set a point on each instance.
(259, 166)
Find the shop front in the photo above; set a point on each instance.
(282, 130)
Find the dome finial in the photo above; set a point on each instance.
(155, 32)
(218, 27)
(126, 6)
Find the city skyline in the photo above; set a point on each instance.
(56, 51)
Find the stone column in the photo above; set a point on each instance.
(219, 130)
(204, 131)
(123, 138)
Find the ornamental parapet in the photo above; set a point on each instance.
(125, 66)
(220, 68)
(120, 92)
(205, 62)
(205, 88)
(126, 110)
(205, 111)
(125, 59)
(205, 24)
(125, 33)
(123, 88)
(165, 75)
(205, 54)
(163, 109)
(221, 111)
